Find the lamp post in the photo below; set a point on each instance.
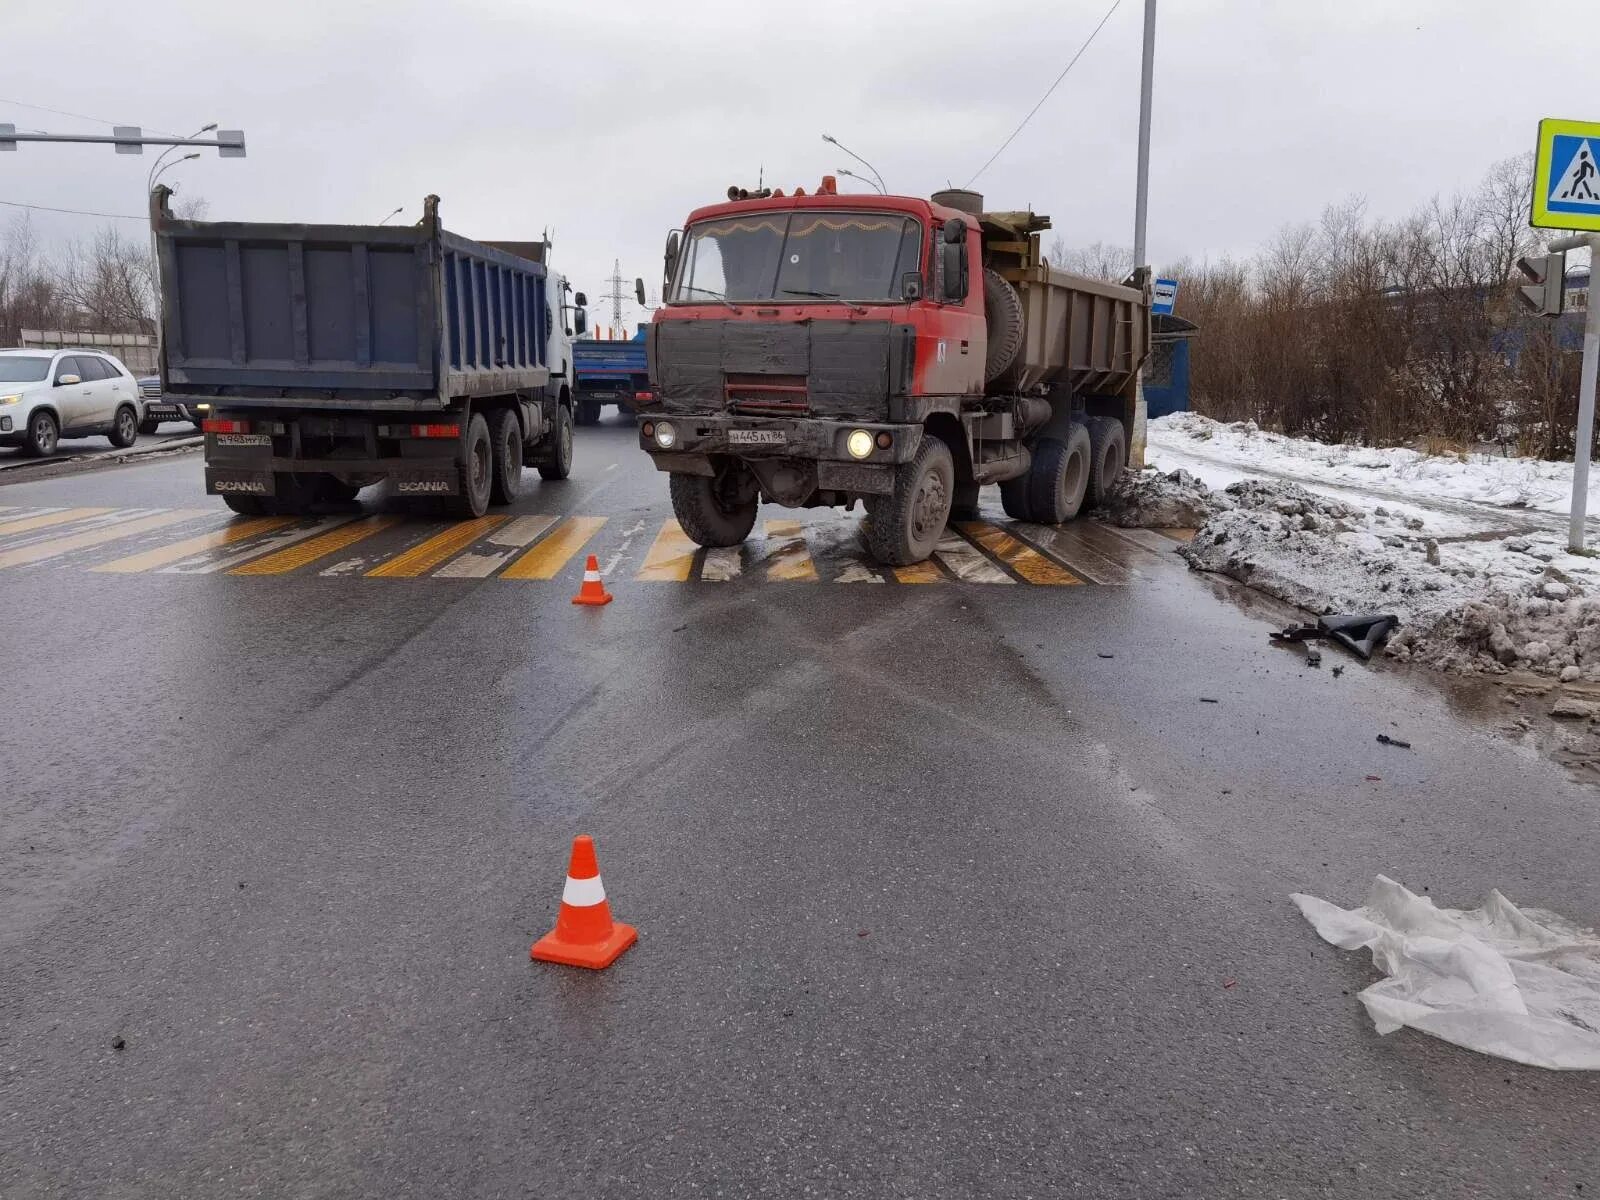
(392, 215)
(831, 140)
(853, 175)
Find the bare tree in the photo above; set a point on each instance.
(1098, 260)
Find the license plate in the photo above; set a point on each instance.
(243, 439)
(164, 412)
(756, 437)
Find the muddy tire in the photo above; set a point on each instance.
(1002, 309)
(1014, 499)
(148, 427)
(588, 412)
(556, 462)
(1108, 454)
(904, 527)
(43, 435)
(505, 435)
(715, 511)
(476, 473)
(1059, 479)
(297, 494)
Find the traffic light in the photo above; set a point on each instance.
(1546, 294)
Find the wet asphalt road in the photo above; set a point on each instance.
(933, 899)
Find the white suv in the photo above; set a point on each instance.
(46, 395)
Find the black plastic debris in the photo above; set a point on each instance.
(1313, 657)
(1295, 633)
(1360, 632)
(1393, 741)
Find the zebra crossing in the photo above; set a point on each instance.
(822, 546)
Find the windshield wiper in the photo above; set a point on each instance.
(825, 296)
(715, 296)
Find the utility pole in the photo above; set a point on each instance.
(1141, 205)
(616, 295)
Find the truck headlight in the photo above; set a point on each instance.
(666, 435)
(859, 443)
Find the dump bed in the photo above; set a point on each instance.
(604, 359)
(1085, 333)
(391, 318)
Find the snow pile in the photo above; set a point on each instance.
(1479, 478)
(1151, 500)
(1471, 605)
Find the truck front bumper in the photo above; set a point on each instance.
(696, 439)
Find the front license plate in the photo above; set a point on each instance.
(161, 412)
(756, 437)
(244, 439)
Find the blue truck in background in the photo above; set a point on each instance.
(609, 372)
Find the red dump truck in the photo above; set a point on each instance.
(822, 349)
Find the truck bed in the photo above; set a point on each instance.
(382, 318)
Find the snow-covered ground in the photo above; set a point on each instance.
(1471, 555)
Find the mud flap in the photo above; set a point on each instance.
(230, 481)
(1363, 633)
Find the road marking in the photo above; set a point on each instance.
(440, 548)
(926, 571)
(211, 561)
(331, 542)
(1145, 539)
(722, 563)
(1019, 556)
(671, 556)
(966, 564)
(857, 571)
(550, 555)
(1068, 544)
(788, 559)
(511, 537)
(54, 547)
(162, 555)
(44, 520)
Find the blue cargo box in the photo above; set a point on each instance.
(346, 316)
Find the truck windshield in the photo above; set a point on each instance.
(23, 368)
(798, 256)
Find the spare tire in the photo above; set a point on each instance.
(1002, 309)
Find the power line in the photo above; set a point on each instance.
(1116, 4)
(61, 112)
(79, 212)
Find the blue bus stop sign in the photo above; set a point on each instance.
(1164, 296)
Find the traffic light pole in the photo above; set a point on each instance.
(1591, 361)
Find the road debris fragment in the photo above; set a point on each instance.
(1393, 741)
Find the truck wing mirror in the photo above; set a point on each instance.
(955, 272)
(670, 262)
(580, 319)
(638, 291)
(581, 300)
(955, 232)
(911, 286)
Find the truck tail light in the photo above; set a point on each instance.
(645, 397)
(435, 431)
(222, 425)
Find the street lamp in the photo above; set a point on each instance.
(395, 213)
(158, 174)
(155, 167)
(870, 183)
(882, 187)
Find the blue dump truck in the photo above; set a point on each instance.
(327, 358)
(610, 373)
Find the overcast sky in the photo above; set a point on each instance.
(608, 122)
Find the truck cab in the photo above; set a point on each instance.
(822, 349)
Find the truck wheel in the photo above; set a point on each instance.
(148, 427)
(588, 412)
(1002, 309)
(247, 506)
(1014, 498)
(904, 527)
(717, 511)
(335, 491)
(124, 428)
(1108, 453)
(296, 494)
(964, 505)
(1059, 479)
(505, 433)
(476, 473)
(557, 462)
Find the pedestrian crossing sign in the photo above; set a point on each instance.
(1566, 176)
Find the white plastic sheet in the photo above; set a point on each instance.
(1519, 984)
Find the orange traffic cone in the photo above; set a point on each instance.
(593, 591)
(585, 935)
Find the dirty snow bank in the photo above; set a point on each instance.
(1464, 605)
(1150, 500)
(1479, 478)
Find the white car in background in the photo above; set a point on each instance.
(46, 395)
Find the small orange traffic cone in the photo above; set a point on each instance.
(593, 592)
(585, 935)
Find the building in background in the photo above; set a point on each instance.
(136, 350)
